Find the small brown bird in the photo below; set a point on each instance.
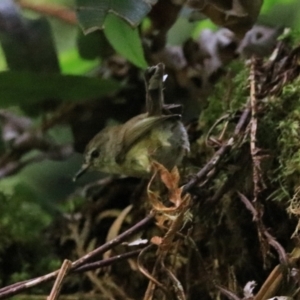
(130, 148)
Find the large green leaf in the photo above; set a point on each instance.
(92, 13)
(20, 88)
(93, 45)
(269, 4)
(72, 64)
(27, 44)
(125, 40)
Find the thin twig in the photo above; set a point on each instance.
(64, 270)
(256, 170)
(214, 161)
(24, 285)
(253, 130)
(257, 218)
(110, 244)
(107, 262)
(249, 206)
(229, 295)
(16, 288)
(179, 291)
(152, 279)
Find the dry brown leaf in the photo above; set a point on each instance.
(174, 215)
(161, 220)
(175, 197)
(236, 15)
(154, 196)
(170, 179)
(156, 203)
(156, 240)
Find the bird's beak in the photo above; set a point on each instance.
(83, 170)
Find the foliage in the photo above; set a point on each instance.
(60, 85)
(286, 134)
(92, 14)
(16, 88)
(22, 222)
(125, 40)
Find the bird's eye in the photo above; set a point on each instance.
(95, 153)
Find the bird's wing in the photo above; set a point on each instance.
(138, 130)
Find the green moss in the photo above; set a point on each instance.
(279, 134)
(22, 226)
(230, 94)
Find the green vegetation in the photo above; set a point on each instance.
(62, 80)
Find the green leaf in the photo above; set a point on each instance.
(91, 14)
(125, 40)
(201, 25)
(27, 44)
(180, 31)
(72, 63)
(94, 45)
(29, 88)
(269, 4)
